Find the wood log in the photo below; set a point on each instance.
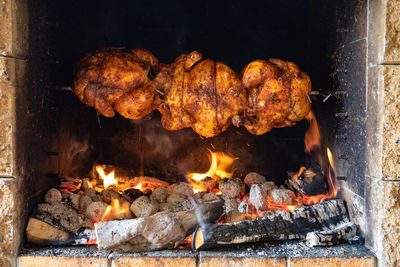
(41, 233)
(279, 226)
(340, 234)
(159, 231)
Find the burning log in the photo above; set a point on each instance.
(282, 225)
(308, 181)
(147, 182)
(159, 231)
(70, 184)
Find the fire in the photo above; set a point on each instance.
(220, 163)
(108, 179)
(312, 142)
(116, 210)
(139, 186)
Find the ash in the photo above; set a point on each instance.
(293, 249)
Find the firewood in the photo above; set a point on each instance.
(279, 226)
(148, 182)
(339, 235)
(131, 194)
(70, 184)
(159, 231)
(41, 233)
(86, 184)
(309, 181)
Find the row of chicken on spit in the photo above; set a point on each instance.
(206, 95)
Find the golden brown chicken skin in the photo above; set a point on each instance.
(204, 96)
(277, 95)
(103, 76)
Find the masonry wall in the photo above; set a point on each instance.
(13, 63)
(383, 131)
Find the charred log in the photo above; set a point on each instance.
(279, 226)
(159, 231)
(41, 233)
(339, 235)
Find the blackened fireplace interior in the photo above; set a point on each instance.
(321, 37)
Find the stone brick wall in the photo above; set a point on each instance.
(383, 131)
(13, 51)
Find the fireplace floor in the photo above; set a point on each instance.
(287, 254)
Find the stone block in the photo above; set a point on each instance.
(41, 261)
(390, 200)
(333, 262)
(154, 261)
(392, 29)
(241, 262)
(10, 221)
(390, 246)
(11, 75)
(384, 220)
(391, 123)
(14, 28)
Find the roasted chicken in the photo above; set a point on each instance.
(278, 95)
(205, 95)
(104, 76)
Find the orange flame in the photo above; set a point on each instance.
(220, 164)
(312, 141)
(116, 211)
(139, 186)
(108, 179)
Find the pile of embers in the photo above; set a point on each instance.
(145, 213)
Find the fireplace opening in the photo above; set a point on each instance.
(80, 141)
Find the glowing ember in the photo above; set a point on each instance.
(108, 179)
(220, 163)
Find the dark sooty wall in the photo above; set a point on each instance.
(235, 32)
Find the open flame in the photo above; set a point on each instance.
(108, 179)
(220, 164)
(116, 210)
(139, 186)
(312, 141)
